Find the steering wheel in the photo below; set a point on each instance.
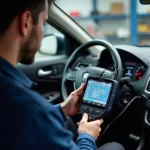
(80, 76)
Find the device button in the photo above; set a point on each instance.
(84, 108)
(91, 110)
(103, 105)
(101, 111)
(93, 103)
(97, 112)
(98, 104)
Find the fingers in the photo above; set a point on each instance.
(80, 89)
(84, 118)
(101, 121)
(99, 132)
(98, 122)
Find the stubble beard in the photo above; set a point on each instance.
(29, 49)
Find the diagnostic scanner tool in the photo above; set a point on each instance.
(98, 97)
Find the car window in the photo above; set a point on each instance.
(52, 43)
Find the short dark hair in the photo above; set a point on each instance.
(9, 9)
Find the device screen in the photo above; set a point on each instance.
(97, 92)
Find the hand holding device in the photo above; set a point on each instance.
(92, 128)
(70, 106)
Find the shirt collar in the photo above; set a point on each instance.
(12, 72)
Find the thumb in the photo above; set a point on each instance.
(85, 117)
(80, 88)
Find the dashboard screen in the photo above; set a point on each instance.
(97, 92)
(129, 71)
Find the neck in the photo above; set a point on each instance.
(9, 49)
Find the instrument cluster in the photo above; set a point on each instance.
(132, 69)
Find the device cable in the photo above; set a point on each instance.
(122, 112)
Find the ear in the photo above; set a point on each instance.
(25, 23)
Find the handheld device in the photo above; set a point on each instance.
(98, 97)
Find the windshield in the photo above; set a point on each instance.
(117, 21)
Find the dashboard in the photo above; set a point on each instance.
(132, 66)
(135, 64)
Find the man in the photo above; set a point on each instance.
(28, 122)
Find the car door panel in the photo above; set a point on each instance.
(47, 73)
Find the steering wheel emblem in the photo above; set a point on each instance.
(86, 75)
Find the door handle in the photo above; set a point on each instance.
(42, 73)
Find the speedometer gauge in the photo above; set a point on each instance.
(139, 71)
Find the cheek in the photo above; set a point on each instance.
(40, 32)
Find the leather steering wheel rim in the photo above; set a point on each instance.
(114, 54)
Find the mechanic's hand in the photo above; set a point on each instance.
(92, 128)
(70, 106)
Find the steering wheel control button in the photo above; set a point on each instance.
(107, 74)
(72, 76)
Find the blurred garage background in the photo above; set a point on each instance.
(118, 21)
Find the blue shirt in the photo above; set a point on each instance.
(28, 121)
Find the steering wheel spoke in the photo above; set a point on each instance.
(71, 76)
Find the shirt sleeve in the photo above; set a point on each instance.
(86, 141)
(59, 110)
(42, 126)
